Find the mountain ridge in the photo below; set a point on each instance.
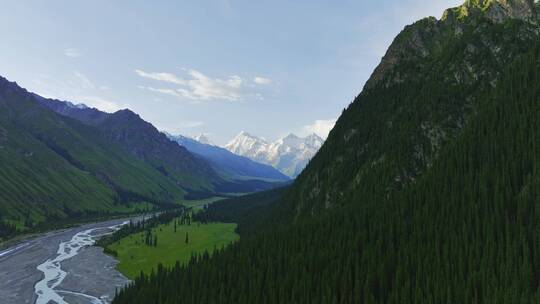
(54, 167)
(141, 139)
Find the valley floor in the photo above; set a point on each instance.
(136, 256)
(89, 272)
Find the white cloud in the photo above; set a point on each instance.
(165, 77)
(262, 80)
(203, 87)
(198, 86)
(319, 127)
(72, 53)
(162, 91)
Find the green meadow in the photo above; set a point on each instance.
(136, 256)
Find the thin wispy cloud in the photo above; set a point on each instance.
(197, 86)
(171, 92)
(165, 77)
(72, 53)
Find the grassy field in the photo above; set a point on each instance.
(135, 256)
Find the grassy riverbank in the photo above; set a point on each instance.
(130, 210)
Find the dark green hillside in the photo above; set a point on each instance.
(144, 142)
(53, 167)
(249, 211)
(203, 175)
(427, 190)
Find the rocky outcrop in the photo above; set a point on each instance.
(411, 44)
(498, 10)
(421, 39)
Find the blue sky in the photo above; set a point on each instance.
(211, 66)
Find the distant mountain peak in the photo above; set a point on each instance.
(248, 135)
(289, 154)
(245, 144)
(291, 136)
(229, 163)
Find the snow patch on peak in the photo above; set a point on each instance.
(245, 144)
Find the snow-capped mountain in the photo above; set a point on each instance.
(289, 154)
(228, 163)
(252, 147)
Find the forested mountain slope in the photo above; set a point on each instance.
(53, 167)
(427, 190)
(142, 140)
(419, 98)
